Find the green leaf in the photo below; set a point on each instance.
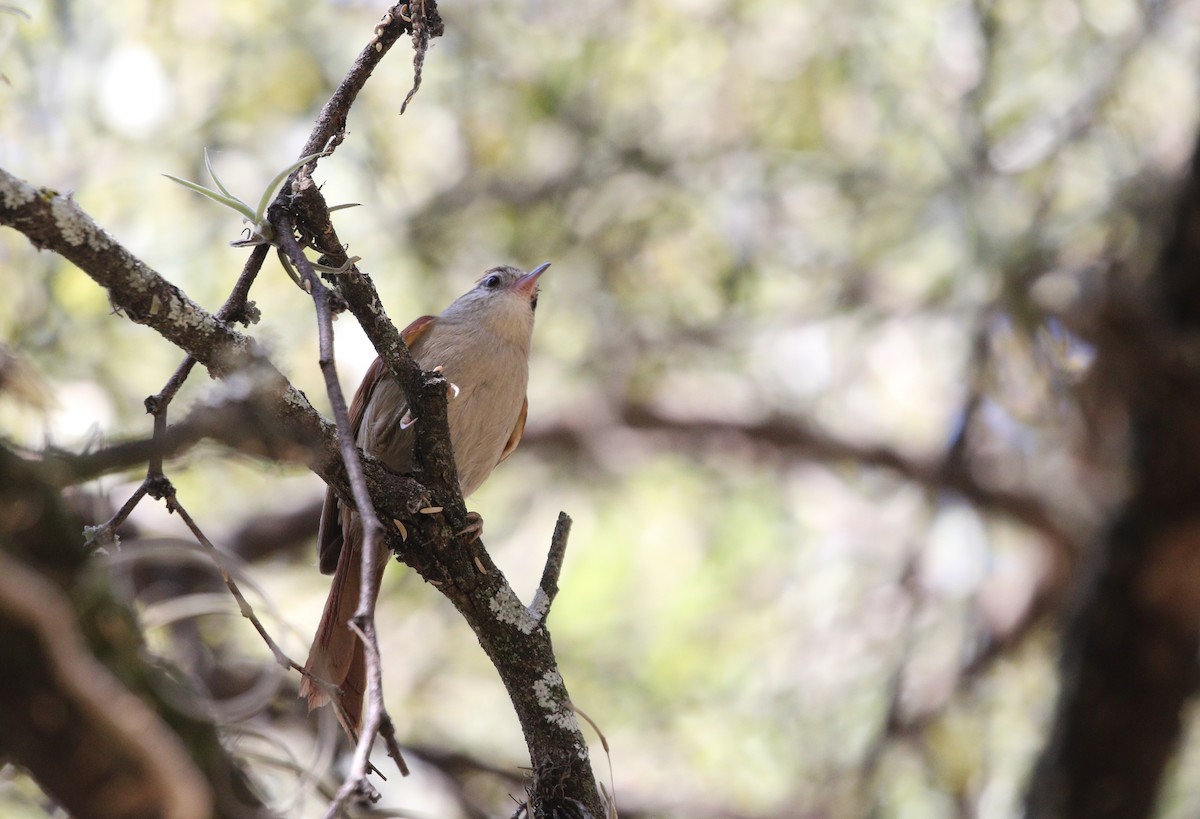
(215, 178)
(273, 187)
(287, 266)
(231, 202)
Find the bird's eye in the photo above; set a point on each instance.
(492, 282)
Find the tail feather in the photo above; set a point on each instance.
(337, 654)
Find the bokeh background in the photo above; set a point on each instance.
(810, 369)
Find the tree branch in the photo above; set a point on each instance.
(331, 122)
(83, 730)
(795, 439)
(363, 622)
(1128, 663)
(147, 298)
(244, 423)
(518, 645)
(547, 590)
(516, 642)
(90, 742)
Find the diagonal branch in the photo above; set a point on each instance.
(515, 640)
(77, 706)
(363, 621)
(56, 222)
(547, 590)
(518, 644)
(792, 438)
(330, 129)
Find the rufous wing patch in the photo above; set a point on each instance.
(518, 431)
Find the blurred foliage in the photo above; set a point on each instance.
(888, 219)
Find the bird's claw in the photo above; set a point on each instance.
(474, 526)
(451, 387)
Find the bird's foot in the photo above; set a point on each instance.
(474, 526)
(451, 387)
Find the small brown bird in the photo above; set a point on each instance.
(481, 342)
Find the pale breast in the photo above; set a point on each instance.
(491, 375)
(492, 382)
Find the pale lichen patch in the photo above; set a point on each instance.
(550, 694)
(71, 223)
(185, 313)
(540, 606)
(76, 227)
(508, 609)
(100, 238)
(14, 192)
(294, 398)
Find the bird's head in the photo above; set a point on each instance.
(502, 301)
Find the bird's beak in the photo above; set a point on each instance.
(527, 284)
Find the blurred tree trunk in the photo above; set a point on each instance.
(106, 733)
(1130, 645)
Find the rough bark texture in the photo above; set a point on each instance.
(79, 707)
(1129, 661)
(514, 636)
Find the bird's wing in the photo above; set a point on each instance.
(329, 533)
(412, 335)
(518, 430)
(417, 330)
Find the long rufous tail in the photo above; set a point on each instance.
(337, 654)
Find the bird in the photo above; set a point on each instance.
(481, 344)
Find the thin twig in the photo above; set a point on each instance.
(784, 437)
(363, 622)
(234, 308)
(387, 730)
(331, 122)
(547, 590)
(157, 405)
(106, 532)
(375, 716)
(420, 45)
(244, 606)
